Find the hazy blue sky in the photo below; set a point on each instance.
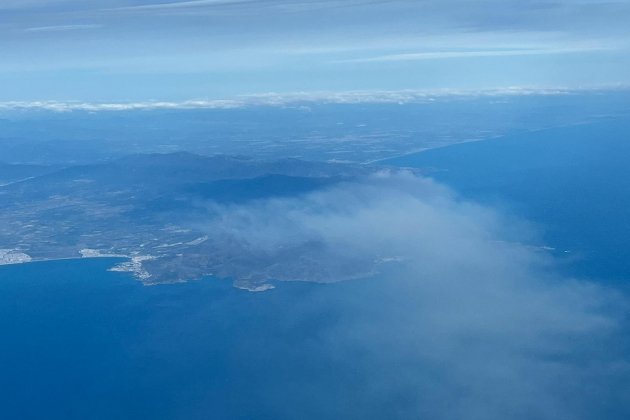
(128, 50)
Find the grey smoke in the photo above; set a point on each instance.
(460, 313)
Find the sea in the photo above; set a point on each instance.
(79, 342)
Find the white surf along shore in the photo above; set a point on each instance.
(133, 266)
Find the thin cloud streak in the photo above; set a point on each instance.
(61, 28)
(178, 5)
(442, 55)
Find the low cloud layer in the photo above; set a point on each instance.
(462, 320)
(408, 96)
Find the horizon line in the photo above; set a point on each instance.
(404, 96)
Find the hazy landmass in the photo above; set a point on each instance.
(156, 209)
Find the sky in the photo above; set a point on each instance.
(174, 50)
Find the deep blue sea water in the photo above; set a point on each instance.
(573, 182)
(79, 342)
